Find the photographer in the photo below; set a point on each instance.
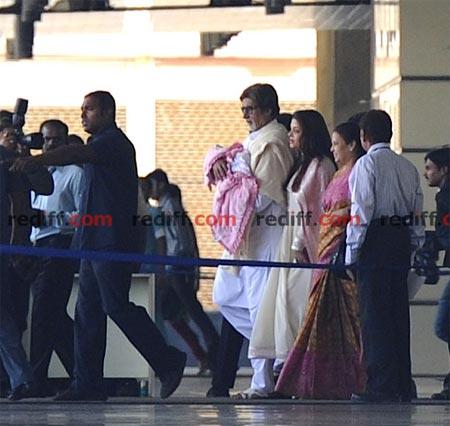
(20, 295)
(8, 138)
(17, 144)
(15, 202)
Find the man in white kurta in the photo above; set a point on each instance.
(239, 291)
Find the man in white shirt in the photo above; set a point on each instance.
(51, 326)
(385, 229)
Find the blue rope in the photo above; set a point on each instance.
(108, 256)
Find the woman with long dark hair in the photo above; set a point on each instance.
(283, 305)
(325, 361)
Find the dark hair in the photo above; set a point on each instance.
(376, 125)
(440, 157)
(356, 118)
(158, 175)
(316, 142)
(55, 123)
(285, 119)
(264, 96)
(105, 101)
(6, 119)
(5, 125)
(349, 131)
(74, 139)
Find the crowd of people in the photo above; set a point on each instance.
(109, 186)
(341, 332)
(337, 332)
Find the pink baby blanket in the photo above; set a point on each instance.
(235, 197)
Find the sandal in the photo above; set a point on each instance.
(250, 394)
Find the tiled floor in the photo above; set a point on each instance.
(192, 386)
(189, 407)
(185, 414)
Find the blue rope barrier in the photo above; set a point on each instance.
(108, 256)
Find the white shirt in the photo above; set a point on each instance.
(59, 206)
(382, 183)
(241, 163)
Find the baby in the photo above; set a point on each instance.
(234, 201)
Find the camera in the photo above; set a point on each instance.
(16, 120)
(32, 140)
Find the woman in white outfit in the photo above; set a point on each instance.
(285, 298)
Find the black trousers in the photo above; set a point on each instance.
(20, 295)
(12, 355)
(183, 286)
(104, 290)
(51, 327)
(384, 306)
(16, 297)
(230, 346)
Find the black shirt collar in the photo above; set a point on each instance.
(103, 131)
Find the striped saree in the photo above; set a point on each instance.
(325, 361)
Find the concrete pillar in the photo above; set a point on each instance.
(343, 73)
(412, 71)
(325, 75)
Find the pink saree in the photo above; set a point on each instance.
(325, 361)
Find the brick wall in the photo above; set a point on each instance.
(185, 131)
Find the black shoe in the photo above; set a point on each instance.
(406, 398)
(217, 393)
(371, 398)
(413, 394)
(74, 395)
(42, 391)
(25, 390)
(443, 395)
(171, 380)
(4, 389)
